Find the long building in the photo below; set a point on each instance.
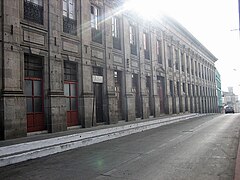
(83, 63)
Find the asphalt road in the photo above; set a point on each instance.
(200, 148)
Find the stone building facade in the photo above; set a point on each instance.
(219, 91)
(81, 63)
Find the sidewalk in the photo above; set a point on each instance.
(32, 147)
(237, 167)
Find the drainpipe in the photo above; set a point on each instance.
(3, 77)
(49, 74)
(125, 76)
(105, 52)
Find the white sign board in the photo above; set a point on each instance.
(97, 79)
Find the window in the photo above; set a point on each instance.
(177, 59)
(171, 88)
(69, 17)
(115, 27)
(70, 92)
(146, 45)
(94, 17)
(33, 11)
(182, 62)
(70, 71)
(33, 90)
(133, 44)
(192, 68)
(169, 51)
(116, 33)
(188, 64)
(159, 51)
(69, 9)
(95, 25)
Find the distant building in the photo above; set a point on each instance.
(219, 91)
(72, 63)
(230, 99)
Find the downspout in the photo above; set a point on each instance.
(81, 54)
(152, 88)
(49, 124)
(125, 76)
(105, 52)
(3, 77)
(140, 72)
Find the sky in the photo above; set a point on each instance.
(214, 23)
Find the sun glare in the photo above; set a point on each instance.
(147, 9)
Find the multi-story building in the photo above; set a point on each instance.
(231, 99)
(219, 91)
(84, 63)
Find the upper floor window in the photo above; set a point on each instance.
(69, 17)
(132, 38)
(33, 11)
(116, 33)
(146, 45)
(95, 17)
(95, 24)
(182, 62)
(115, 27)
(169, 51)
(159, 51)
(176, 59)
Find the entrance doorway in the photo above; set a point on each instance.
(33, 68)
(118, 93)
(98, 95)
(70, 92)
(136, 94)
(161, 93)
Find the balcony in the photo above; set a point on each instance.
(97, 35)
(116, 43)
(69, 25)
(33, 12)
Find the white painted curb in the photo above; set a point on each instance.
(35, 149)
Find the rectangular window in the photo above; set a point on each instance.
(115, 27)
(33, 11)
(33, 68)
(116, 33)
(70, 71)
(182, 62)
(171, 87)
(159, 51)
(188, 64)
(69, 17)
(69, 9)
(176, 59)
(169, 52)
(95, 24)
(146, 45)
(132, 38)
(94, 17)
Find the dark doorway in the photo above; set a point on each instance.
(136, 94)
(118, 93)
(161, 93)
(149, 94)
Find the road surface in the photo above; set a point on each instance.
(199, 148)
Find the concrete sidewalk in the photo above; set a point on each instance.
(22, 149)
(237, 167)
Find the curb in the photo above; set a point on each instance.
(31, 150)
(237, 167)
